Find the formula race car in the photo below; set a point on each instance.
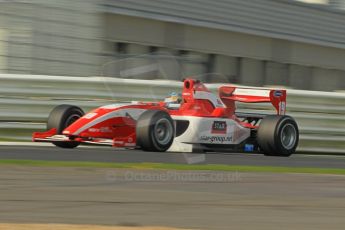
(196, 120)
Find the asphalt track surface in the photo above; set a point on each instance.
(183, 199)
(108, 154)
(201, 200)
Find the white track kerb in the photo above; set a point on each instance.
(26, 100)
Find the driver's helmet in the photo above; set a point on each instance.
(173, 98)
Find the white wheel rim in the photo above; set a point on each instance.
(163, 131)
(288, 136)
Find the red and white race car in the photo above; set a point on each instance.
(197, 121)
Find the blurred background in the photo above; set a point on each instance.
(296, 44)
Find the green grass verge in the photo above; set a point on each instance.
(164, 166)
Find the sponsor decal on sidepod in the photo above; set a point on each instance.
(219, 127)
(215, 139)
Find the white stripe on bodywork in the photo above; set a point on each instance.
(116, 105)
(133, 112)
(209, 96)
(252, 92)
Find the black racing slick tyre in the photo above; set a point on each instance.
(278, 135)
(155, 131)
(60, 118)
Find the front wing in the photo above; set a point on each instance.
(51, 136)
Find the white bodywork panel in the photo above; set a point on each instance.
(208, 130)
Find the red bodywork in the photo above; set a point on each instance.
(114, 125)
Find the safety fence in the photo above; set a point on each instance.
(26, 100)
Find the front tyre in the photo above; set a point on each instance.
(155, 131)
(278, 135)
(60, 118)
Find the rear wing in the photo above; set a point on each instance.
(277, 97)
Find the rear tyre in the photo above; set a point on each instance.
(60, 118)
(278, 135)
(155, 131)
